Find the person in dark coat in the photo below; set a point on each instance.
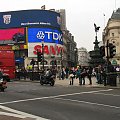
(72, 76)
(89, 74)
(83, 75)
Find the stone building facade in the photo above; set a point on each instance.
(69, 56)
(83, 57)
(112, 34)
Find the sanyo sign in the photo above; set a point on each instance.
(44, 34)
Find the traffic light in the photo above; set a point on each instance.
(32, 62)
(112, 50)
(54, 62)
(39, 56)
(102, 51)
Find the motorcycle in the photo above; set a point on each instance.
(3, 84)
(47, 80)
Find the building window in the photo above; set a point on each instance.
(114, 42)
(112, 34)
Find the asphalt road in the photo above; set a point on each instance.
(62, 102)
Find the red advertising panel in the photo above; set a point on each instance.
(12, 36)
(7, 34)
(6, 54)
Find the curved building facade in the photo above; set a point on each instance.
(25, 31)
(112, 34)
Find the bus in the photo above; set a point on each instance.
(7, 63)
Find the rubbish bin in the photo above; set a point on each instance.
(113, 79)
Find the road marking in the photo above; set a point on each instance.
(40, 98)
(107, 94)
(117, 107)
(12, 114)
(19, 114)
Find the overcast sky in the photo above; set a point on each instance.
(80, 15)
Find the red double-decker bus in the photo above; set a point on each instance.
(7, 63)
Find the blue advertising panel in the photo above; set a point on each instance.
(44, 34)
(27, 18)
(19, 60)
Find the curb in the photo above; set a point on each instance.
(64, 84)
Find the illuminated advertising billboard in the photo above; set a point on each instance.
(26, 18)
(49, 49)
(12, 36)
(53, 41)
(45, 34)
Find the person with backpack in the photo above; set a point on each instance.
(78, 75)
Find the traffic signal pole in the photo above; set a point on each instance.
(43, 55)
(107, 46)
(37, 60)
(107, 67)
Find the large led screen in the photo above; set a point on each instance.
(26, 18)
(45, 34)
(16, 35)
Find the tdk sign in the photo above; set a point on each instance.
(54, 35)
(44, 34)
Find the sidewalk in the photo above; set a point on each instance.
(66, 82)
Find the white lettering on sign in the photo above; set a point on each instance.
(35, 23)
(48, 34)
(40, 35)
(54, 35)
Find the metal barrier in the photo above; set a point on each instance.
(28, 75)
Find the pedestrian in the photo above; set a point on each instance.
(63, 73)
(78, 75)
(67, 72)
(83, 75)
(89, 75)
(59, 73)
(99, 72)
(118, 72)
(1, 74)
(24, 73)
(72, 76)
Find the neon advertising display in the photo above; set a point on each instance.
(29, 18)
(52, 38)
(44, 34)
(14, 35)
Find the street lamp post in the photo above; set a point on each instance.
(61, 59)
(37, 61)
(75, 50)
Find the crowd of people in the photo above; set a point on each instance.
(76, 73)
(80, 72)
